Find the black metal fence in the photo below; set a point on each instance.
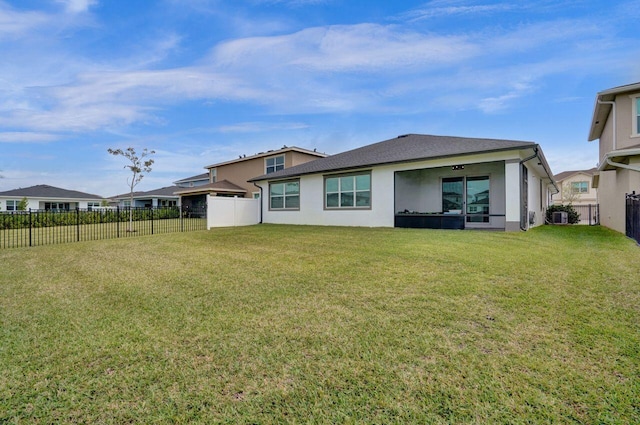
(633, 216)
(589, 214)
(46, 227)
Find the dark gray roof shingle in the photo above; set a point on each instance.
(407, 148)
(46, 191)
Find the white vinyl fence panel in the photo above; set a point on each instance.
(230, 212)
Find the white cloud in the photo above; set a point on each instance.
(440, 9)
(259, 127)
(346, 48)
(77, 6)
(26, 136)
(17, 24)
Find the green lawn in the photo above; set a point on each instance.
(294, 324)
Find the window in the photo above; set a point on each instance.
(579, 187)
(636, 114)
(284, 195)
(12, 205)
(92, 205)
(274, 164)
(213, 175)
(57, 206)
(351, 191)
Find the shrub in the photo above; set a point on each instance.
(573, 216)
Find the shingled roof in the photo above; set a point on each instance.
(406, 148)
(565, 174)
(220, 186)
(46, 191)
(167, 191)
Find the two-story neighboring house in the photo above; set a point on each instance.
(229, 178)
(616, 124)
(575, 186)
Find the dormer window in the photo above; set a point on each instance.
(274, 164)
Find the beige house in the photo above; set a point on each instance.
(575, 188)
(229, 178)
(616, 124)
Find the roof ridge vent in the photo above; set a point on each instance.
(402, 136)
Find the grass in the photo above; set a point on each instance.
(294, 324)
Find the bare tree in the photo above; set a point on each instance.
(138, 167)
(569, 195)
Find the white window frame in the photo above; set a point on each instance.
(92, 205)
(354, 192)
(576, 187)
(284, 196)
(278, 164)
(12, 205)
(635, 100)
(213, 175)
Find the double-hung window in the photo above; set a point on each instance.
(12, 205)
(274, 164)
(579, 187)
(284, 195)
(348, 191)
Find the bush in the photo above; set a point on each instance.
(573, 216)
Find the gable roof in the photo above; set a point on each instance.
(166, 192)
(282, 150)
(203, 176)
(405, 148)
(46, 191)
(220, 186)
(566, 174)
(601, 111)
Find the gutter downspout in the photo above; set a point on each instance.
(523, 222)
(261, 200)
(613, 109)
(619, 165)
(536, 153)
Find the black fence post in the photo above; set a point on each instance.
(77, 224)
(151, 220)
(30, 226)
(117, 221)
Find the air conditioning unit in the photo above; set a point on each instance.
(560, 217)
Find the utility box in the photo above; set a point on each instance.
(560, 217)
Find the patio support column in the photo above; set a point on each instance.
(512, 195)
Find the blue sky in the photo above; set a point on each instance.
(203, 81)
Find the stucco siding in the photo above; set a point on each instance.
(418, 188)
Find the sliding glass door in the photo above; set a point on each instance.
(477, 189)
(467, 195)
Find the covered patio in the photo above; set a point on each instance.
(461, 196)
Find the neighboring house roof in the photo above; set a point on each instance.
(406, 148)
(221, 186)
(203, 176)
(46, 191)
(566, 174)
(601, 111)
(270, 153)
(163, 192)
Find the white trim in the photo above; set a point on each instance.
(635, 113)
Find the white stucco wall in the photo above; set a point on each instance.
(503, 168)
